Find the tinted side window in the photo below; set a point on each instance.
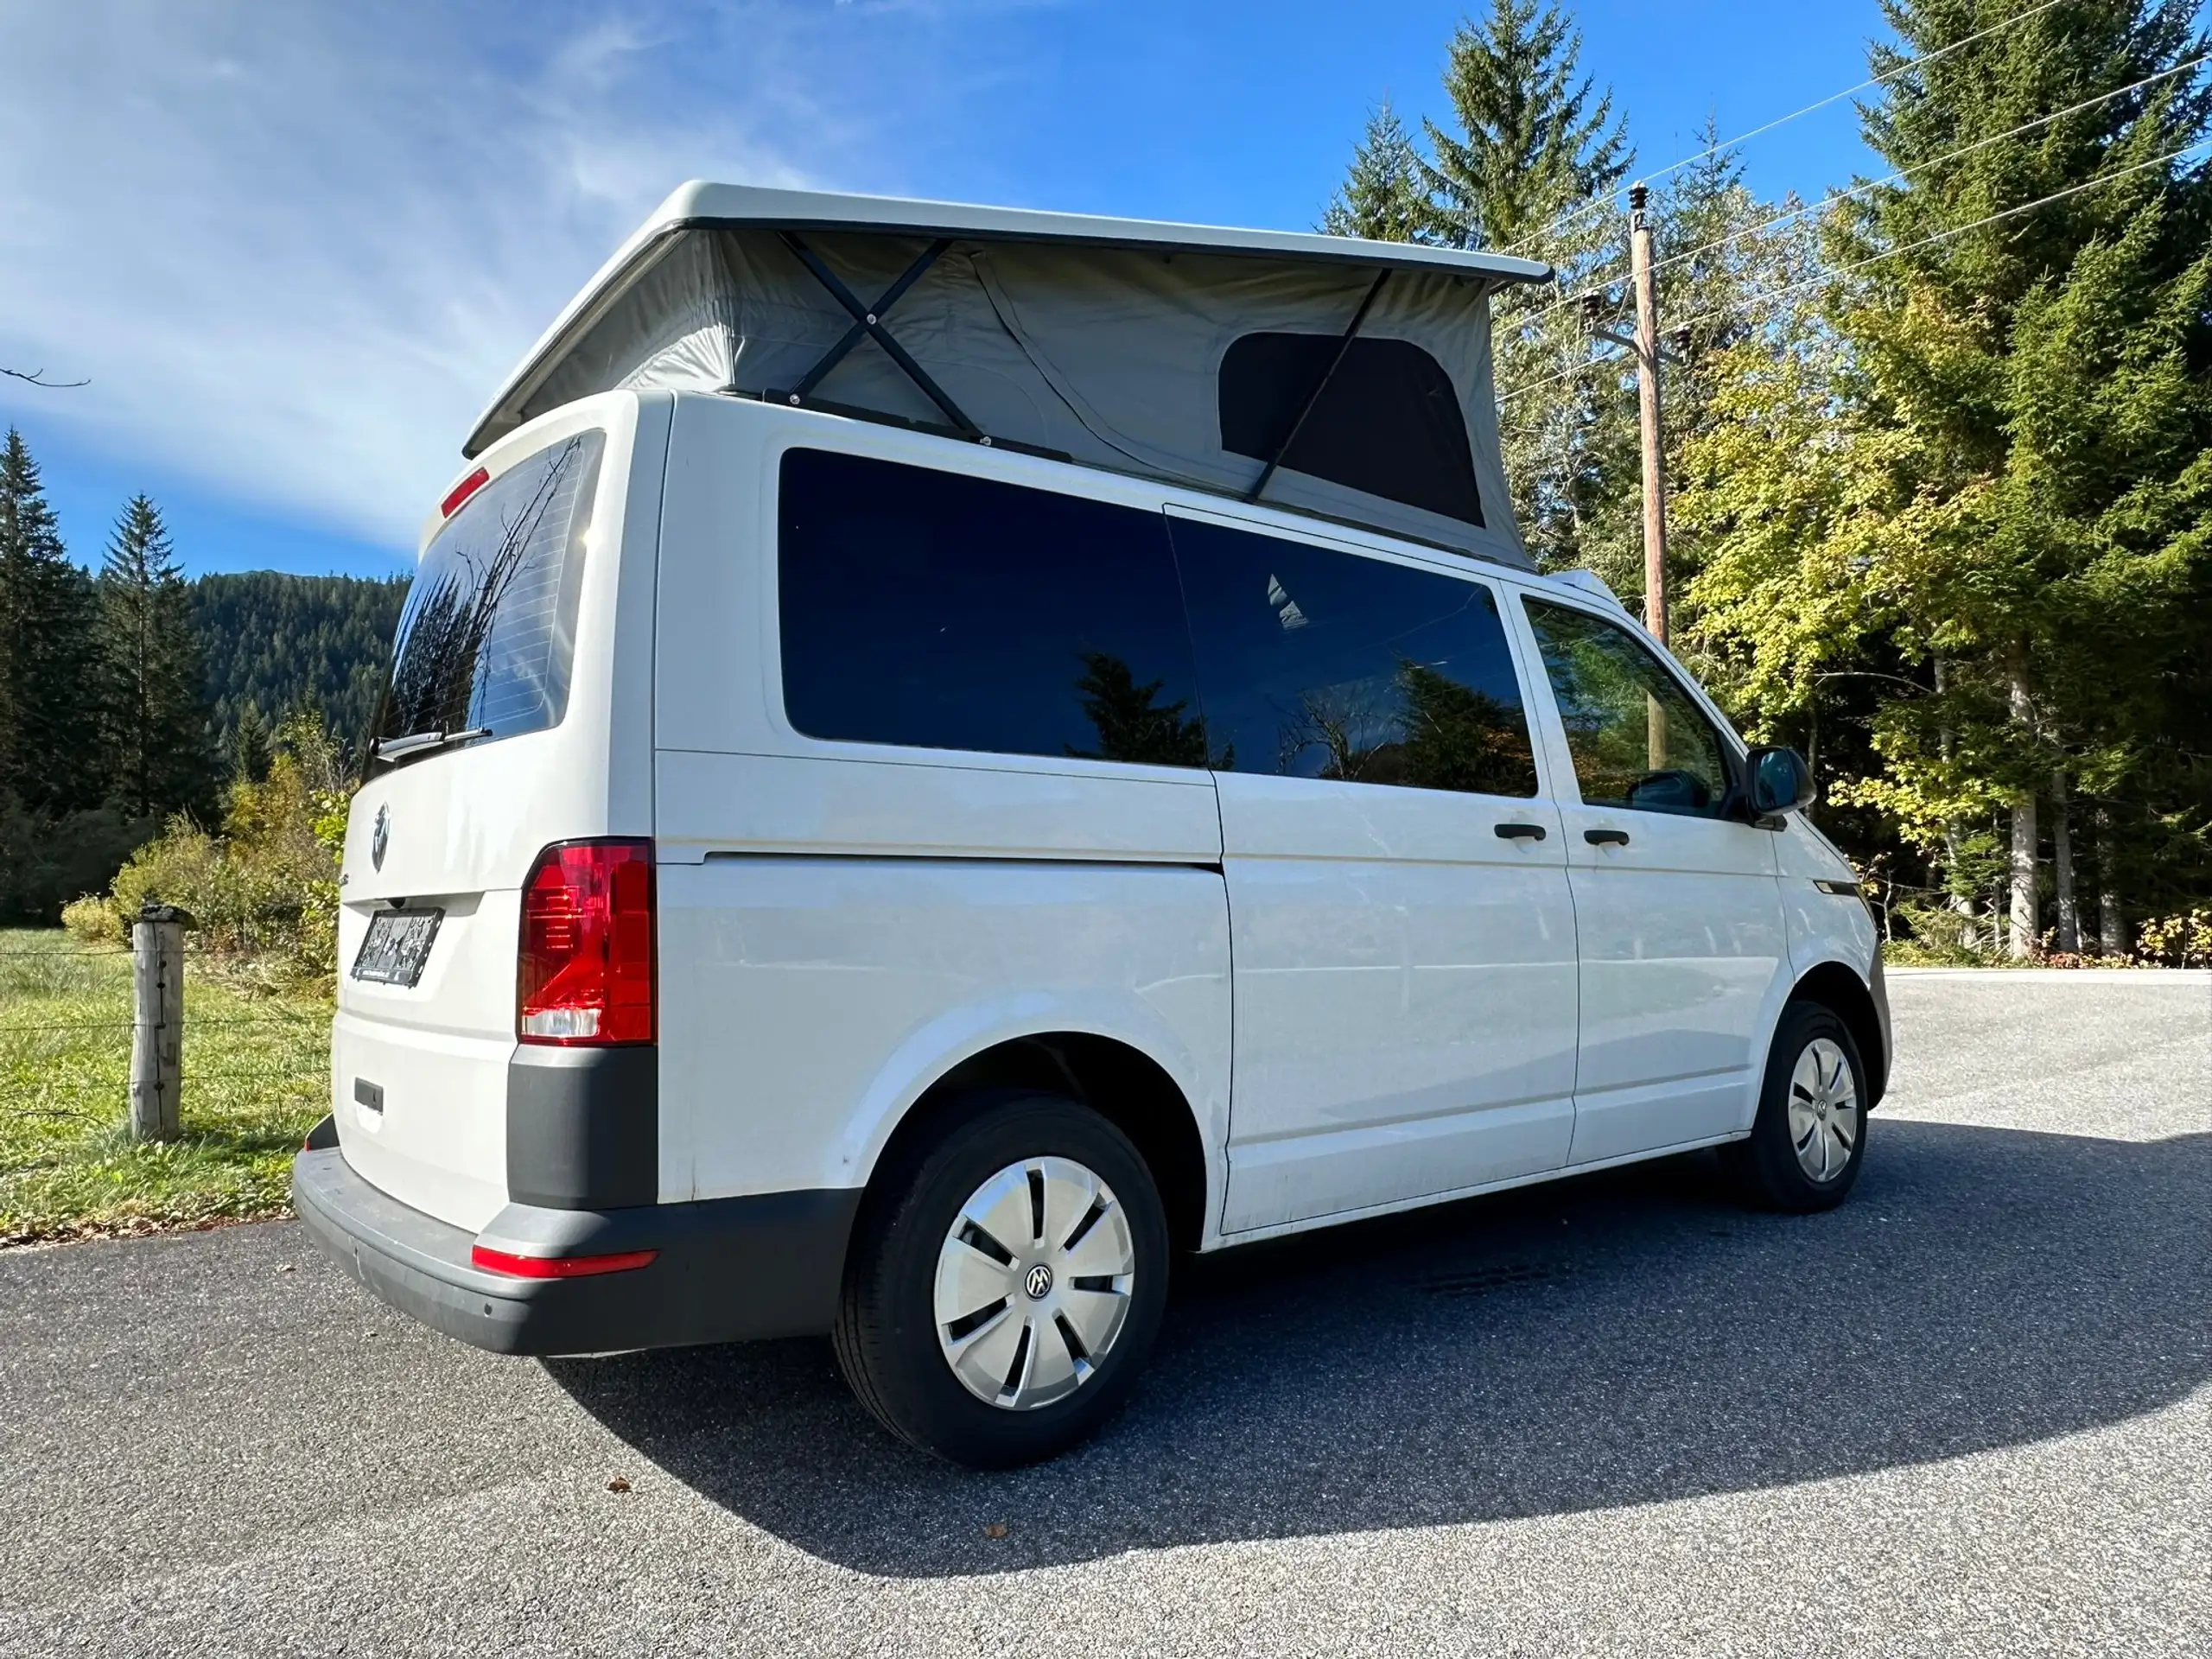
(1637, 738)
(1316, 664)
(943, 611)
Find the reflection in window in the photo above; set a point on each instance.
(1637, 740)
(1319, 663)
(940, 611)
(488, 635)
(1131, 723)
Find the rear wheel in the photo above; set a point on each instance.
(1810, 1135)
(1006, 1283)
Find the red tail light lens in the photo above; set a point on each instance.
(586, 973)
(460, 493)
(556, 1267)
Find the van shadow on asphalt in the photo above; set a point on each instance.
(1621, 1339)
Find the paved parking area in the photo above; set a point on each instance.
(1969, 1413)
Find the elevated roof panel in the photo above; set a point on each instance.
(700, 204)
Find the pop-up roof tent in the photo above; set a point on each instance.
(1346, 379)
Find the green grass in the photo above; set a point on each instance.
(256, 1077)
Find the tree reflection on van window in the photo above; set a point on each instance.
(938, 610)
(1133, 725)
(1314, 663)
(1637, 740)
(1418, 728)
(488, 636)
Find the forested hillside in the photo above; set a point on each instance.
(131, 698)
(277, 642)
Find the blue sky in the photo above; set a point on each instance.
(295, 247)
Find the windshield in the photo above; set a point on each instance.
(488, 634)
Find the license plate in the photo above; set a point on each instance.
(398, 946)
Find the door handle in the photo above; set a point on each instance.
(1605, 837)
(1520, 832)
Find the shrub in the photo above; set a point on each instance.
(1941, 937)
(93, 919)
(2184, 941)
(263, 895)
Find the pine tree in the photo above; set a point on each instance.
(1384, 197)
(1531, 142)
(155, 716)
(49, 650)
(274, 642)
(248, 746)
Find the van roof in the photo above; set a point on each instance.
(1190, 353)
(698, 204)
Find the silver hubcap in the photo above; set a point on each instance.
(1034, 1282)
(1823, 1109)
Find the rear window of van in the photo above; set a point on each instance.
(487, 638)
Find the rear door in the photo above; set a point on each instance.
(1404, 942)
(526, 625)
(1676, 904)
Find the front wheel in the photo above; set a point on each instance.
(1810, 1135)
(1005, 1284)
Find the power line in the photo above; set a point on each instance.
(1827, 277)
(1564, 374)
(1834, 197)
(1946, 236)
(1925, 58)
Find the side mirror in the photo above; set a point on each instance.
(1777, 781)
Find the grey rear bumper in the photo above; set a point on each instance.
(727, 1270)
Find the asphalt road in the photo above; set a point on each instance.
(1969, 1413)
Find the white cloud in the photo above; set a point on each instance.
(297, 247)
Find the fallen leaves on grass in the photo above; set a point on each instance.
(77, 1232)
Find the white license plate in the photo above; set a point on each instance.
(398, 946)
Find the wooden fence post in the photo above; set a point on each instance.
(157, 1025)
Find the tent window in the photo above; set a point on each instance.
(1389, 422)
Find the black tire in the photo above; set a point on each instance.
(1767, 1167)
(886, 1336)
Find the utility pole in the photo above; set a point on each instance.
(1650, 353)
(1647, 399)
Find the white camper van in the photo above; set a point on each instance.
(939, 758)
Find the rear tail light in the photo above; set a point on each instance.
(585, 976)
(556, 1267)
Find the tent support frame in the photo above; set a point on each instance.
(868, 323)
(1344, 346)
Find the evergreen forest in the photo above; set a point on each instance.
(130, 697)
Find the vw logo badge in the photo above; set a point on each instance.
(1038, 1283)
(380, 837)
